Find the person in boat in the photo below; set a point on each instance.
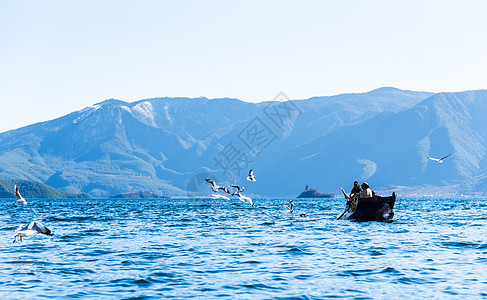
(356, 189)
(355, 192)
(366, 191)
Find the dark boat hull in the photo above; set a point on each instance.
(374, 209)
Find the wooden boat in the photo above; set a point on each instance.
(374, 209)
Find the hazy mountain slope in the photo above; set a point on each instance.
(157, 144)
(33, 189)
(391, 149)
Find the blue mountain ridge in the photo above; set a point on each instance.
(160, 144)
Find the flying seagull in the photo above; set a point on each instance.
(215, 188)
(438, 160)
(20, 199)
(30, 229)
(239, 190)
(245, 198)
(240, 196)
(251, 176)
(291, 206)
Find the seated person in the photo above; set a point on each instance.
(356, 189)
(366, 191)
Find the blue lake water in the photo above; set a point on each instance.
(190, 248)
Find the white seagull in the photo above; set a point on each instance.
(215, 188)
(251, 176)
(239, 190)
(20, 199)
(438, 160)
(291, 206)
(30, 229)
(239, 195)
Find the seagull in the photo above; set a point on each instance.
(239, 190)
(239, 195)
(20, 199)
(438, 160)
(215, 187)
(245, 198)
(251, 176)
(30, 229)
(291, 206)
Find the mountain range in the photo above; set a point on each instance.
(33, 189)
(169, 145)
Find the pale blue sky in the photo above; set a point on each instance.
(60, 56)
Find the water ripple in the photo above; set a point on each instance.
(188, 248)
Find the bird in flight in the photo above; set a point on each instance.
(239, 190)
(240, 196)
(215, 187)
(30, 229)
(290, 207)
(20, 199)
(438, 160)
(251, 176)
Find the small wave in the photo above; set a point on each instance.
(75, 271)
(460, 245)
(411, 280)
(98, 252)
(356, 273)
(482, 246)
(259, 286)
(375, 252)
(69, 219)
(252, 262)
(141, 282)
(390, 270)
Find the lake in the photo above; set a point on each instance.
(202, 248)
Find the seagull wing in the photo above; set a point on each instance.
(236, 186)
(224, 189)
(20, 228)
(17, 193)
(435, 159)
(445, 156)
(251, 172)
(250, 201)
(212, 182)
(39, 227)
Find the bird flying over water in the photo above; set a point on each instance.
(215, 187)
(438, 160)
(245, 198)
(239, 190)
(251, 176)
(290, 207)
(30, 229)
(240, 196)
(20, 199)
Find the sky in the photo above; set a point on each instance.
(60, 56)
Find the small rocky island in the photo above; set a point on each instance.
(310, 192)
(138, 195)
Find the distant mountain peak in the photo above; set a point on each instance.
(389, 89)
(112, 102)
